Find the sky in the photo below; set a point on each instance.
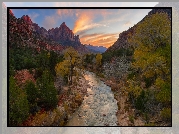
(98, 27)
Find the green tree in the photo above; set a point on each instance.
(32, 95)
(18, 104)
(47, 95)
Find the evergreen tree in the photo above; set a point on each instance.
(18, 104)
(47, 95)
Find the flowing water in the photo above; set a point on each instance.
(98, 107)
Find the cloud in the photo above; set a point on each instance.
(83, 22)
(128, 23)
(33, 16)
(65, 12)
(49, 22)
(85, 19)
(99, 39)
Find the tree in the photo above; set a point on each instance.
(62, 69)
(152, 57)
(72, 60)
(53, 60)
(98, 59)
(47, 95)
(32, 95)
(18, 104)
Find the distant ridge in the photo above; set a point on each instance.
(96, 49)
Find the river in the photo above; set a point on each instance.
(98, 107)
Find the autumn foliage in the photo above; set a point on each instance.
(151, 81)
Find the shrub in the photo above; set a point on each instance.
(166, 114)
(47, 93)
(32, 94)
(18, 104)
(140, 101)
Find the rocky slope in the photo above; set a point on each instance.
(122, 41)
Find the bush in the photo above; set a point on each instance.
(166, 114)
(140, 101)
(18, 104)
(148, 82)
(32, 93)
(47, 93)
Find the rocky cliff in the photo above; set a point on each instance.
(63, 33)
(22, 31)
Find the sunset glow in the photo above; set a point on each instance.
(98, 27)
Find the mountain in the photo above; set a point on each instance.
(96, 49)
(62, 35)
(122, 41)
(23, 31)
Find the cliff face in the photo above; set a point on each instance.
(122, 41)
(23, 31)
(63, 33)
(59, 34)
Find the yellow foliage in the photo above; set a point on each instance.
(153, 46)
(133, 87)
(98, 58)
(62, 68)
(159, 82)
(71, 55)
(166, 113)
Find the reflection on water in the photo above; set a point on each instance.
(98, 107)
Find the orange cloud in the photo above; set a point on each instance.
(85, 19)
(99, 39)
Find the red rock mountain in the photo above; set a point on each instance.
(23, 31)
(63, 33)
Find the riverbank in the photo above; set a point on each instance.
(126, 115)
(98, 107)
(70, 98)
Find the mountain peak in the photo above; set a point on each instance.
(27, 19)
(63, 23)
